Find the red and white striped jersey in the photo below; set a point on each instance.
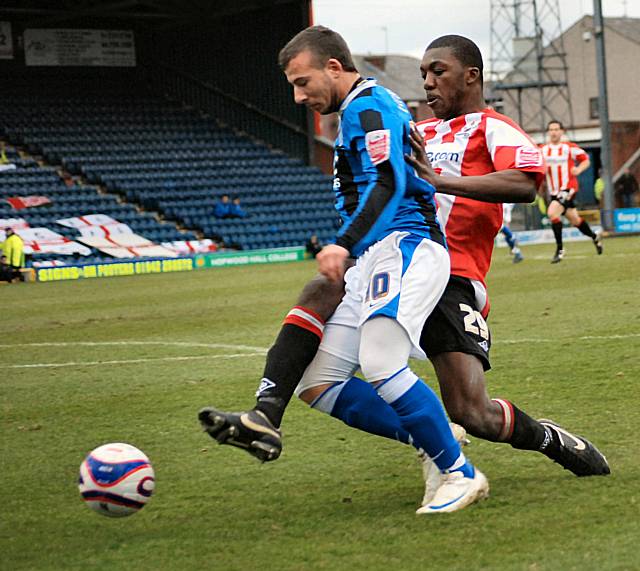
(472, 145)
(560, 159)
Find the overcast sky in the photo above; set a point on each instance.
(411, 24)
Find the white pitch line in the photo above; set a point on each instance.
(556, 340)
(569, 257)
(137, 343)
(132, 361)
(256, 351)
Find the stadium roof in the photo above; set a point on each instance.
(396, 72)
(51, 11)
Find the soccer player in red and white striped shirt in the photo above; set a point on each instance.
(479, 160)
(565, 162)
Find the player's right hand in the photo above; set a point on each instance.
(419, 160)
(331, 261)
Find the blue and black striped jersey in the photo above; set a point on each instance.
(377, 192)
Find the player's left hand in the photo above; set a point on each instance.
(575, 171)
(331, 260)
(564, 196)
(419, 160)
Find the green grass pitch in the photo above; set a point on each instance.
(133, 359)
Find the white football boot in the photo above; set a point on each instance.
(430, 472)
(456, 492)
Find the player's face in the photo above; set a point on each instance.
(444, 82)
(554, 132)
(313, 86)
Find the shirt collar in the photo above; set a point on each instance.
(360, 85)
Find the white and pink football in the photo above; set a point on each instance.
(116, 479)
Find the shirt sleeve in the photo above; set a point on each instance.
(512, 149)
(578, 154)
(376, 142)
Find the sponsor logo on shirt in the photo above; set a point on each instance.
(528, 157)
(451, 157)
(378, 145)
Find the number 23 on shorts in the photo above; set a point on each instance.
(474, 322)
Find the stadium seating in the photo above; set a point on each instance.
(168, 160)
(30, 179)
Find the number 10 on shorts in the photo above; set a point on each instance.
(379, 286)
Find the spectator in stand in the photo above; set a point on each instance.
(313, 246)
(236, 210)
(222, 209)
(66, 177)
(13, 249)
(626, 189)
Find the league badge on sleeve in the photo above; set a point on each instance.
(378, 145)
(528, 157)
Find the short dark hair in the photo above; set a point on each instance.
(464, 50)
(556, 122)
(323, 43)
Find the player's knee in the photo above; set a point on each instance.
(379, 364)
(311, 394)
(384, 348)
(322, 296)
(376, 368)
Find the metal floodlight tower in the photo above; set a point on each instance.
(528, 62)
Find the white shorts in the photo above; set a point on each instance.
(403, 277)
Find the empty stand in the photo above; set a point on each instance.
(30, 179)
(166, 159)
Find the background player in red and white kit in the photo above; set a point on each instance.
(479, 155)
(565, 162)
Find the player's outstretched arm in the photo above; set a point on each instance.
(502, 186)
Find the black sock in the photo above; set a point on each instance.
(557, 232)
(528, 434)
(586, 229)
(293, 351)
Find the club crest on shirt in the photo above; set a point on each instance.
(528, 157)
(378, 145)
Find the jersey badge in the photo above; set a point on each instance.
(378, 145)
(528, 157)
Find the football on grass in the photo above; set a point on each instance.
(116, 479)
